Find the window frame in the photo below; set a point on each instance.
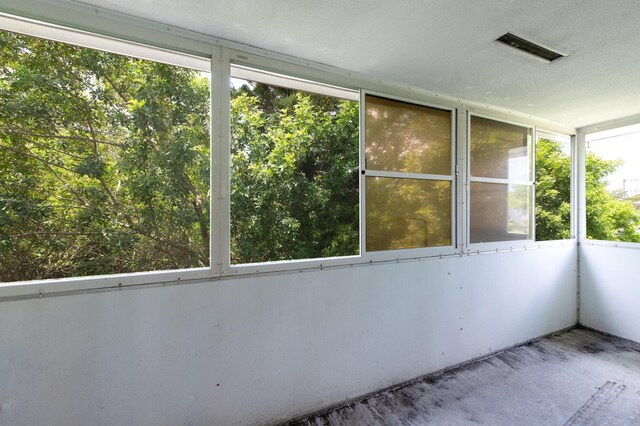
(94, 41)
(581, 142)
(218, 54)
(296, 71)
(498, 245)
(556, 136)
(279, 78)
(364, 173)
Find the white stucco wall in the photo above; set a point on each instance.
(264, 349)
(610, 290)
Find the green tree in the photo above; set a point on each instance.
(104, 168)
(294, 175)
(609, 217)
(104, 160)
(553, 191)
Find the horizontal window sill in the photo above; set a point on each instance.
(606, 243)
(80, 285)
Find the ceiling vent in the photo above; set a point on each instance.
(530, 48)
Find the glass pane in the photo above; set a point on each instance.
(407, 213)
(500, 212)
(553, 189)
(104, 162)
(613, 184)
(294, 174)
(403, 137)
(500, 150)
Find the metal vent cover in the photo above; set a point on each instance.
(530, 48)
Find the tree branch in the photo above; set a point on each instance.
(50, 166)
(45, 233)
(69, 137)
(115, 88)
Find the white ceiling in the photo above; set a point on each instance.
(444, 46)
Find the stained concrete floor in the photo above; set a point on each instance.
(579, 377)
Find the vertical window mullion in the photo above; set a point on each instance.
(362, 173)
(220, 110)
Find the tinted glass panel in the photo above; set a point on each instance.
(403, 137)
(407, 213)
(500, 150)
(500, 212)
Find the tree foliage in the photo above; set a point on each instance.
(553, 191)
(104, 159)
(609, 216)
(294, 175)
(104, 168)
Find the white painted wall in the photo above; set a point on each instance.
(263, 349)
(610, 290)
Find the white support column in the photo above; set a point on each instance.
(220, 111)
(461, 179)
(580, 214)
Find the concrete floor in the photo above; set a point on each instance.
(579, 377)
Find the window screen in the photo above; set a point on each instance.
(403, 137)
(501, 190)
(409, 181)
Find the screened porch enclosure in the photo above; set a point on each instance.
(251, 213)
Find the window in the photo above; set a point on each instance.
(294, 169)
(104, 162)
(613, 184)
(105, 167)
(408, 175)
(501, 187)
(553, 186)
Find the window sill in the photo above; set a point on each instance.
(606, 243)
(72, 286)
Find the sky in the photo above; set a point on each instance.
(624, 144)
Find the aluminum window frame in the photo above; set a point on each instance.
(571, 139)
(88, 40)
(364, 173)
(271, 75)
(301, 72)
(581, 159)
(100, 22)
(498, 245)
